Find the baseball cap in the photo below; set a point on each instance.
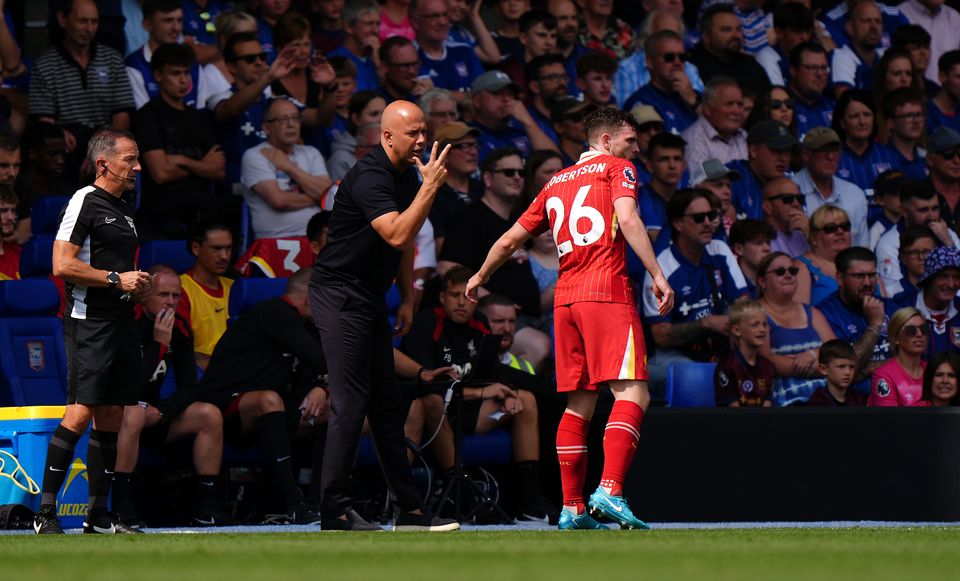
(493, 81)
(943, 139)
(820, 137)
(644, 114)
(942, 258)
(453, 131)
(712, 169)
(771, 133)
(568, 106)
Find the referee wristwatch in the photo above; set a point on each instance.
(114, 279)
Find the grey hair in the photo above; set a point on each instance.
(427, 99)
(646, 27)
(104, 143)
(352, 11)
(713, 87)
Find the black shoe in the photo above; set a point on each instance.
(107, 523)
(212, 518)
(408, 521)
(539, 510)
(129, 517)
(353, 522)
(45, 522)
(303, 513)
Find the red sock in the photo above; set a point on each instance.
(572, 453)
(620, 443)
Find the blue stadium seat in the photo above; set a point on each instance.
(173, 253)
(32, 357)
(36, 258)
(690, 385)
(45, 215)
(246, 228)
(247, 292)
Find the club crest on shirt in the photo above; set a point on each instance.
(462, 69)
(718, 277)
(883, 388)
(724, 380)
(955, 336)
(747, 386)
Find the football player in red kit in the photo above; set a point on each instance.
(591, 208)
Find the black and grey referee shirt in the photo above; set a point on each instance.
(102, 226)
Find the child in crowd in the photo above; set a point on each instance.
(743, 377)
(838, 363)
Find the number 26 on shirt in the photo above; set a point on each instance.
(578, 212)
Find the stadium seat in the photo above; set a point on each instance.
(690, 385)
(247, 292)
(246, 227)
(36, 258)
(32, 357)
(45, 215)
(173, 253)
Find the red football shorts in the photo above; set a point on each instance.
(598, 342)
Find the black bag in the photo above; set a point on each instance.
(15, 517)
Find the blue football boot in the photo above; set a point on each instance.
(603, 505)
(572, 522)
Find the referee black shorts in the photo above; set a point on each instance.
(103, 361)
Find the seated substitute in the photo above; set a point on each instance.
(249, 379)
(9, 251)
(450, 335)
(743, 377)
(205, 294)
(167, 343)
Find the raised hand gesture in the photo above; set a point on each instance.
(435, 171)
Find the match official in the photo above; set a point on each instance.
(380, 208)
(95, 253)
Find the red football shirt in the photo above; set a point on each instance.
(577, 204)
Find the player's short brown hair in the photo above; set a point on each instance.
(836, 349)
(606, 120)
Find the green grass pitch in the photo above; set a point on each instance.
(903, 554)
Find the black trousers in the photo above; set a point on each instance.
(356, 338)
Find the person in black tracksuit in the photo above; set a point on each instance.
(166, 342)
(95, 253)
(381, 206)
(249, 375)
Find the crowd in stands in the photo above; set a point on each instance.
(799, 166)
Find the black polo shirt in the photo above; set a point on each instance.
(102, 226)
(355, 254)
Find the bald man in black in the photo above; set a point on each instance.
(381, 205)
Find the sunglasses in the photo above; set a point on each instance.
(781, 103)
(509, 172)
(701, 217)
(834, 228)
(466, 146)
(948, 155)
(251, 58)
(669, 57)
(793, 270)
(914, 330)
(788, 199)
